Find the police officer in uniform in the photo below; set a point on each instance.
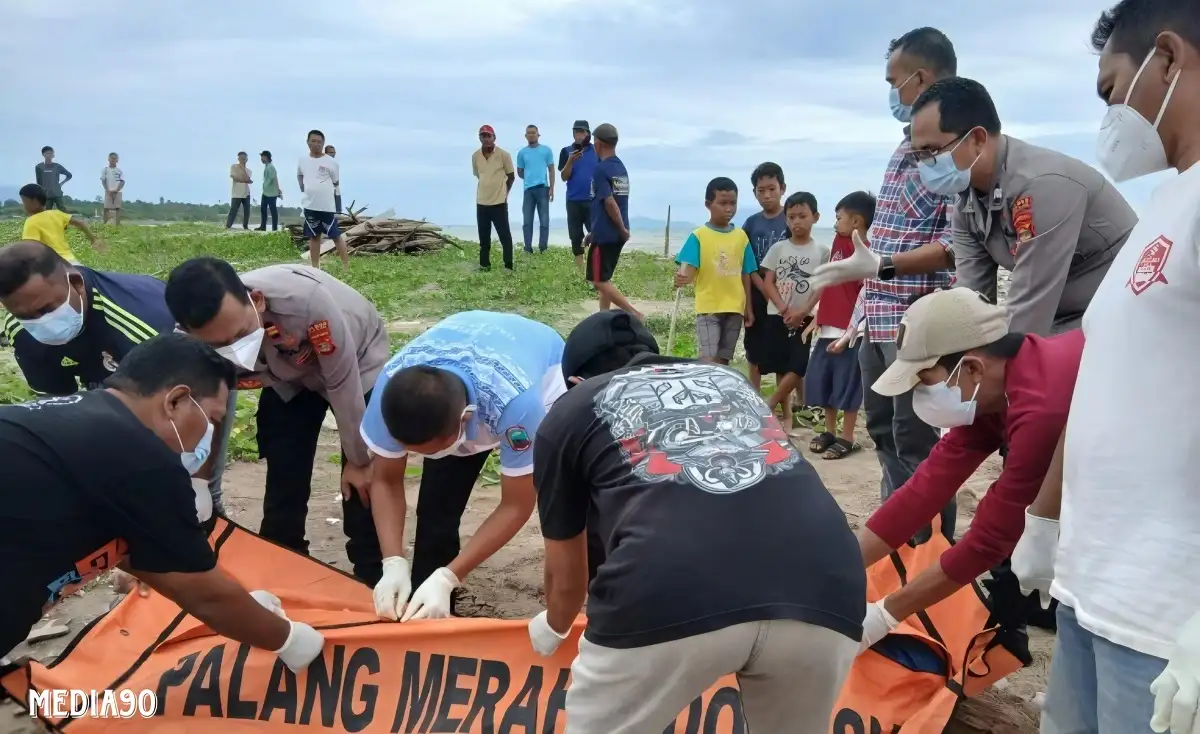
(1051, 220)
(70, 327)
(312, 344)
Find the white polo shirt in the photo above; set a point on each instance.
(1129, 550)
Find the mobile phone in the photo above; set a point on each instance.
(578, 146)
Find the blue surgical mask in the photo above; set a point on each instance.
(194, 459)
(60, 325)
(901, 111)
(942, 176)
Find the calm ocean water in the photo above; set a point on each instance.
(645, 240)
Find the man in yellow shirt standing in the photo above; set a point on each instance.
(718, 258)
(49, 226)
(493, 166)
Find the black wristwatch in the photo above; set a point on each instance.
(887, 269)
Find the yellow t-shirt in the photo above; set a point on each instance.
(720, 258)
(50, 228)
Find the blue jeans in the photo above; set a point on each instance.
(1096, 686)
(536, 196)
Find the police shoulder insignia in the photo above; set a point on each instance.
(1022, 221)
(518, 438)
(321, 339)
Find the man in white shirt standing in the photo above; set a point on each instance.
(114, 182)
(1127, 572)
(318, 175)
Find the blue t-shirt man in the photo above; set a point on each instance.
(609, 180)
(512, 369)
(535, 162)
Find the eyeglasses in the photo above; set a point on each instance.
(926, 156)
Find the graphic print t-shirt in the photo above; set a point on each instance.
(793, 265)
(90, 486)
(319, 175)
(708, 514)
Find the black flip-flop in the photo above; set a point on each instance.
(821, 443)
(840, 449)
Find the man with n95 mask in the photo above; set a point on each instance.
(110, 468)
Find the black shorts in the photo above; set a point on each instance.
(756, 335)
(783, 350)
(320, 223)
(602, 261)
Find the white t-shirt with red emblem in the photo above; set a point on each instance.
(1129, 550)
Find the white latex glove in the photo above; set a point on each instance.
(393, 589)
(545, 640)
(1033, 558)
(303, 646)
(269, 601)
(877, 624)
(432, 598)
(1177, 691)
(863, 264)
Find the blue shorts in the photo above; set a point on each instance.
(320, 223)
(834, 380)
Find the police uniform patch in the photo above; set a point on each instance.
(272, 331)
(321, 339)
(518, 438)
(110, 364)
(249, 383)
(1022, 221)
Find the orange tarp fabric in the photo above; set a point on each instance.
(457, 675)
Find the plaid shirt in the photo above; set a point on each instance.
(907, 215)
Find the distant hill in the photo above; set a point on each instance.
(9, 192)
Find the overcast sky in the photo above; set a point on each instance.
(697, 89)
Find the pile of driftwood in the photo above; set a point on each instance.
(380, 234)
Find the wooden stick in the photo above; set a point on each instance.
(674, 320)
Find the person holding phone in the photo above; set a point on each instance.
(576, 164)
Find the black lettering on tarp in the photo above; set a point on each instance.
(352, 721)
(695, 711)
(324, 684)
(557, 702)
(236, 707)
(452, 693)
(877, 728)
(725, 698)
(423, 695)
(173, 678)
(486, 700)
(848, 721)
(523, 712)
(281, 694)
(205, 689)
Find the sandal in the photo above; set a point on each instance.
(840, 449)
(821, 443)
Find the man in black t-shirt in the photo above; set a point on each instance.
(100, 479)
(724, 552)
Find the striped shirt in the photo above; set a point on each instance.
(122, 312)
(907, 215)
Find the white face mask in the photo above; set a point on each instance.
(244, 352)
(1129, 146)
(942, 406)
(454, 447)
(60, 325)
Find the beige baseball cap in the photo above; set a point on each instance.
(941, 323)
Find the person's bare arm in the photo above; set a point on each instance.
(550, 179)
(1049, 498)
(928, 258)
(685, 276)
(570, 165)
(509, 183)
(388, 503)
(771, 291)
(82, 226)
(220, 602)
(517, 499)
(614, 213)
(566, 580)
(521, 173)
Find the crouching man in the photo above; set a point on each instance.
(724, 552)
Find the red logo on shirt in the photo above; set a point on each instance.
(1149, 268)
(321, 339)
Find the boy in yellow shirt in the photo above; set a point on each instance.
(49, 226)
(718, 258)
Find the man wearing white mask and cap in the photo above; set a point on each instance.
(1126, 567)
(968, 372)
(311, 343)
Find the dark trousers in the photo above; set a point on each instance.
(234, 204)
(902, 440)
(287, 438)
(579, 217)
(446, 486)
(55, 202)
(269, 204)
(537, 198)
(486, 217)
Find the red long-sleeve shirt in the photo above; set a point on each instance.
(1038, 382)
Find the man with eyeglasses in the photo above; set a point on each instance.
(1051, 220)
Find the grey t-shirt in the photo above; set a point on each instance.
(764, 232)
(48, 177)
(793, 265)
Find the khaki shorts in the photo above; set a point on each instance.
(112, 199)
